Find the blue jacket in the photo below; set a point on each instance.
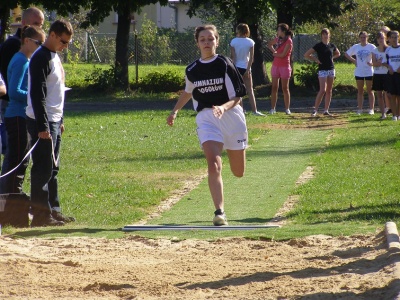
(17, 76)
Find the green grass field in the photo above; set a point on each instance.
(117, 166)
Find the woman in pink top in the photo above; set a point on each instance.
(281, 48)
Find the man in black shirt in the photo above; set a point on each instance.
(31, 16)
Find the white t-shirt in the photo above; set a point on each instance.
(382, 57)
(393, 57)
(46, 86)
(364, 56)
(242, 48)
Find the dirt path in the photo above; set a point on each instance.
(316, 267)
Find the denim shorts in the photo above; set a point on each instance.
(326, 73)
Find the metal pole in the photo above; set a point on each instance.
(136, 59)
(86, 46)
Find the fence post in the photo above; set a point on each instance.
(136, 58)
(94, 48)
(86, 46)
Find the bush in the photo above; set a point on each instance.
(102, 79)
(307, 76)
(157, 82)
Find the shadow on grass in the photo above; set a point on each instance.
(361, 266)
(238, 222)
(60, 231)
(377, 212)
(252, 220)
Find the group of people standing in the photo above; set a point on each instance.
(32, 112)
(242, 54)
(376, 68)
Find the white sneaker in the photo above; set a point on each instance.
(327, 113)
(371, 112)
(220, 220)
(359, 111)
(287, 111)
(383, 117)
(394, 118)
(272, 111)
(314, 113)
(257, 113)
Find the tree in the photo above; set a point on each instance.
(5, 7)
(298, 11)
(253, 11)
(244, 11)
(98, 10)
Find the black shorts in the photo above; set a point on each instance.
(395, 84)
(367, 78)
(242, 71)
(379, 82)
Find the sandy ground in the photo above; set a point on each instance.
(316, 267)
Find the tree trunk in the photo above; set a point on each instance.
(259, 73)
(122, 41)
(4, 19)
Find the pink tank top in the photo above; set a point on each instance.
(283, 61)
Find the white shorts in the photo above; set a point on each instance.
(231, 129)
(326, 73)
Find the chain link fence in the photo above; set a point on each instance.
(179, 49)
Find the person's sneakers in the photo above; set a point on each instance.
(287, 111)
(272, 111)
(359, 111)
(314, 113)
(394, 118)
(60, 217)
(371, 112)
(220, 218)
(327, 113)
(383, 117)
(257, 113)
(40, 220)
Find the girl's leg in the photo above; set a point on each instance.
(381, 101)
(360, 94)
(320, 95)
(397, 105)
(248, 82)
(237, 161)
(387, 100)
(393, 104)
(212, 151)
(274, 92)
(328, 94)
(286, 93)
(371, 95)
